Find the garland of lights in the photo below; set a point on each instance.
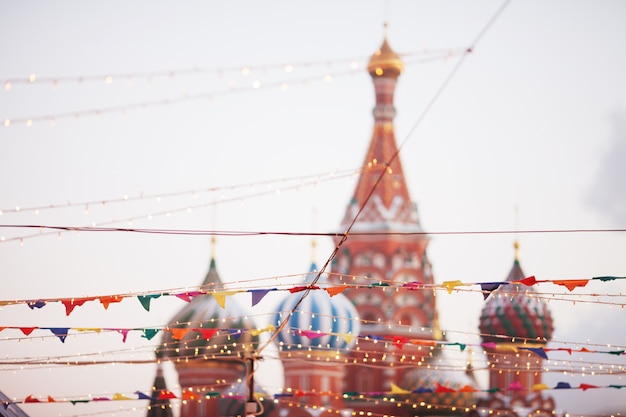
(297, 184)
(108, 79)
(282, 85)
(398, 341)
(325, 176)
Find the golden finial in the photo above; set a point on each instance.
(516, 247)
(385, 62)
(213, 239)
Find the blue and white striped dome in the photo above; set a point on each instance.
(335, 317)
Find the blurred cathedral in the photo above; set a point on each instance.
(328, 375)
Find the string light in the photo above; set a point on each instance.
(167, 213)
(352, 63)
(303, 180)
(123, 109)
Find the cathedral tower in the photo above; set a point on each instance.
(386, 244)
(521, 321)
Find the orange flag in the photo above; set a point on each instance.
(335, 290)
(570, 284)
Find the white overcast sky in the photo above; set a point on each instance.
(534, 119)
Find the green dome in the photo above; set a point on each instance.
(232, 337)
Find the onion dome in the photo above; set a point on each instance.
(385, 62)
(441, 388)
(204, 312)
(334, 317)
(515, 311)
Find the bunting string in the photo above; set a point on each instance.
(395, 391)
(257, 294)
(399, 341)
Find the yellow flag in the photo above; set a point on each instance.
(397, 390)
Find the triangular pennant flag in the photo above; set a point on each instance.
(570, 284)
(60, 332)
(27, 330)
(449, 285)
(462, 346)
(142, 396)
(422, 390)
(607, 278)
(120, 397)
(185, 296)
(149, 333)
(256, 332)
(441, 388)
(178, 333)
(515, 386)
(220, 297)
(562, 385)
(72, 303)
(400, 341)
(6, 404)
(207, 333)
(397, 390)
(303, 288)
(413, 285)
(33, 304)
(489, 345)
(378, 284)
(257, 296)
(617, 386)
(51, 400)
(88, 329)
(145, 300)
(616, 352)
(488, 287)
(123, 332)
(311, 334)
(348, 338)
(74, 402)
(568, 350)
(585, 387)
(538, 351)
(110, 299)
(530, 281)
(506, 348)
(332, 291)
(101, 399)
(540, 387)
(422, 342)
(31, 399)
(190, 395)
(166, 395)
(468, 388)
